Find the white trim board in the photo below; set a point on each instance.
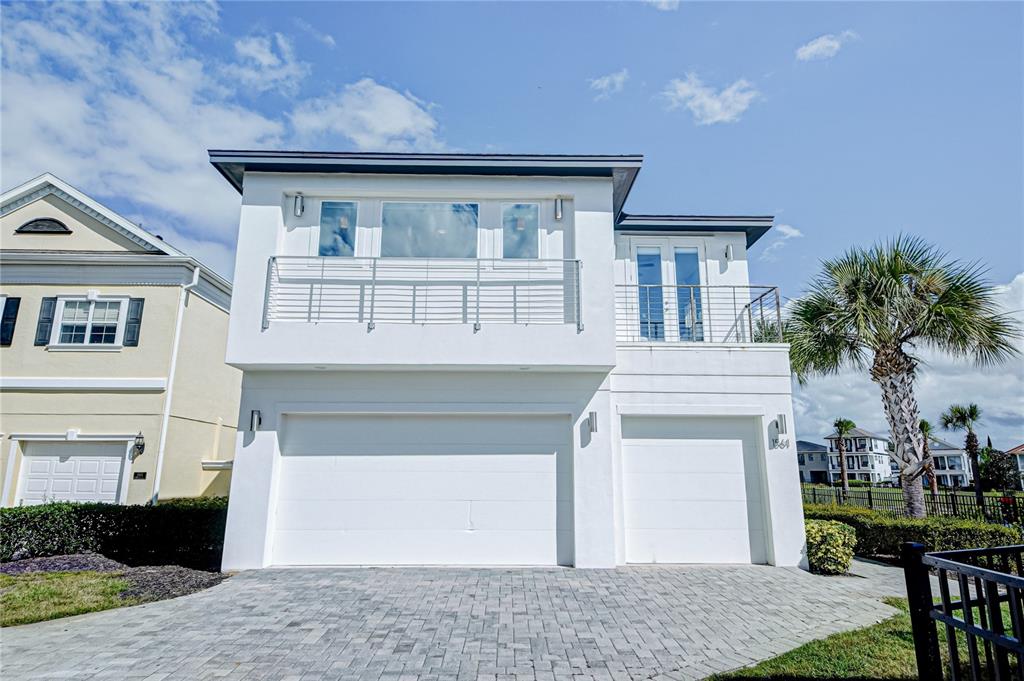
(723, 410)
(56, 384)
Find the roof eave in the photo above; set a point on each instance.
(753, 226)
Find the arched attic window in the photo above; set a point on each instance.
(43, 226)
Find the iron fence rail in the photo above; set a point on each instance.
(697, 314)
(423, 291)
(1004, 508)
(980, 602)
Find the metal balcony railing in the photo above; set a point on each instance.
(697, 314)
(422, 291)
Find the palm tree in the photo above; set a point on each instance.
(965, 417)
(929, 471)
(843, 428)
(873, 308)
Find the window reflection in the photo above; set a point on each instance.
(520, 231)
(338, 228)
(429, 230)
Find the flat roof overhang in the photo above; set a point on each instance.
(754, 226)
(622, 169)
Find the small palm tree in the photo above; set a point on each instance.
(872, 308)
(843, 428)
(965, 417)
(929, 471)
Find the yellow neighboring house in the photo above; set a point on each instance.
(113, 385)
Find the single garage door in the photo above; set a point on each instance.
(70, 471)
(692, 490)
(424, 489)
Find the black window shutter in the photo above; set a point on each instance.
(134, 322)
(9, 318)
(45, 325)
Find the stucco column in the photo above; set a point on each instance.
(593, 485)
(782, 478)
(251, 505)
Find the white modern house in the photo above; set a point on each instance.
(951, 464)
(867, 456)
(482, 359)
(813, 460)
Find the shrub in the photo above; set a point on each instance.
(829, 546)
(859, 483)
(187, 532)
(882, 534)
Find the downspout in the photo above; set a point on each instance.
(166, 419)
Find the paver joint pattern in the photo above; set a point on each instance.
(452, 624)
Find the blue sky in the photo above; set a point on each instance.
(850, 122)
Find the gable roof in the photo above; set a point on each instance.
(234, 163)
(754, 226)
(1019, 449)
(47, 184)
(939, 444)
(858, 432)
(808, 446)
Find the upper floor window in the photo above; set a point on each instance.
(43, 226)
(429, 230)
(89, 322)
(338, 228)
(520, 230)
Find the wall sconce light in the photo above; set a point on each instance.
(780, 422)
(558, 209)
(255, 420)
(592, 422)
(728, 252)
(139, 446)
(300, 205)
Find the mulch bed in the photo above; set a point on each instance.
(146, 584)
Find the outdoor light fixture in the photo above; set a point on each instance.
(592, 422)
(780, 421)
(139, 446)
(728, 252)
(299, 205)
(558, 209)
(255, 420)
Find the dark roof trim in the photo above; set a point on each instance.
(754, 226)
(808, 446)
(233, 164)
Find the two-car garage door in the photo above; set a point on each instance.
(424, 489)
(692, 490)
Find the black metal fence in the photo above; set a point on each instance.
(980, 604)
(1003, 508)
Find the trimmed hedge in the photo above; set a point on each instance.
(829, 546)
(187, 532)
(881, 534)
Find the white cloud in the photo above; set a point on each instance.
(372, 116)
(664, 5)
(267, 63)
(941, 381)
(707, 105)
(783, 233)
(608, 85)
(824, 46)
(117, 100)
(324, 38)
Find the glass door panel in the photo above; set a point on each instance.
(688, 294)
(650, 294)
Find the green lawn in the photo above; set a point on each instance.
(881, 651)
(35, 597)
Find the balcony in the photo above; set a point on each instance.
(431, 291)
(697, 314)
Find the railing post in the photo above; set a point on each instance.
(373, 293)
(693, 316)
(919, 598)
(870, 504)
(266, 297)
(579, 296)
(476, 324)
(778, 314)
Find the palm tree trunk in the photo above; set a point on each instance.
(893, 371)
(971, 445)
(843, 475)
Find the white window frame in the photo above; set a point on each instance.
(542, 246)
(479, 203)
(355, 227)
(58, 320)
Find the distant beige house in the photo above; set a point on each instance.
(113, 385)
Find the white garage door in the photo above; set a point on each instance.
(71, 471)
(692, 490)
(431, 489)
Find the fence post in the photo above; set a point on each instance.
(870, 504)
(919, 598)
(953, 497)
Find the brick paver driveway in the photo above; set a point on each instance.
(409, 624)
